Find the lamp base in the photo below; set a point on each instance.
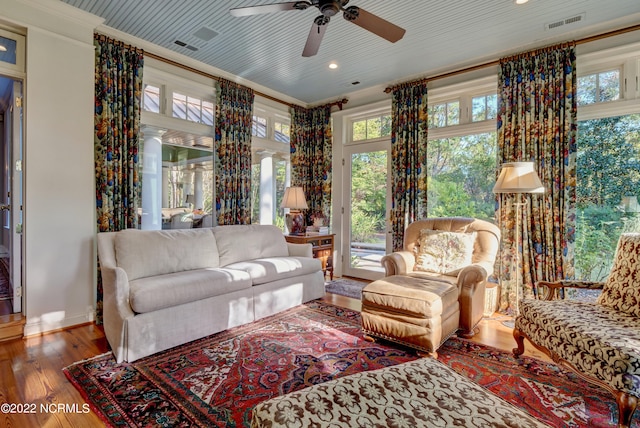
(295, 223)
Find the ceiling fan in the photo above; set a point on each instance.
(328, 8)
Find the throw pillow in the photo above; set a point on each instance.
(444, 252)
(621, 290)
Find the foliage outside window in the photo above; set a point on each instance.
(368, 196)
(608, 169)
(445, 114)
(461, 175)
(484, 107)
(599, 87)
(372, 128)
(192, 109)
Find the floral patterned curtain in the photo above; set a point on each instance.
(311, 150)
(408, 157)
(118, 92)
(234, 116)
(537, 123)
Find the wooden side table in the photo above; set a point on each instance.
(322, 248)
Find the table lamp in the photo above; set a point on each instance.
(294, 200)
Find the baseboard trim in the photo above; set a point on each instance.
(38, 328)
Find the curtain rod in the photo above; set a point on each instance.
(497, 61)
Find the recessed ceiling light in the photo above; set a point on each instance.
(333, 65)
(521, 1)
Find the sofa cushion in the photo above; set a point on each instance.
(274, 268)
(143, 253)
(622, 289)
(238, 243)
(444, 252)
(598, 340)
(157, 292)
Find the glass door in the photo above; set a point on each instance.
(367, 205)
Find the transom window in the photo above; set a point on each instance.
(484, 107)
(372, 127)
(282, 132)
(599, 87)
(259, 127)
(192, 109)
(151, 98)
(444, 114)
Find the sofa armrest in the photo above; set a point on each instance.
(116, 309)
(300, 250)
(552, 286)
(398, 263)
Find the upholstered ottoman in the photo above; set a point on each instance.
(417, 312)
(420, 393)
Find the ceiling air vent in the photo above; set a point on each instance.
(184, 45)
(566, 21)
(205, 34)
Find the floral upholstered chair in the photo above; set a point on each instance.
(599, 341)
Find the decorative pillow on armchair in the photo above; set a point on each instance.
(621, 291)
(444, 252)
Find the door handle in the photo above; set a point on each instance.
(5, 207)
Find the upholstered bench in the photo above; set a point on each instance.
(414, 311)
(420, 393)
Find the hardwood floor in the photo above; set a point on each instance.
(31, 370)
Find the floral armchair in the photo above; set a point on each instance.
(599, 341)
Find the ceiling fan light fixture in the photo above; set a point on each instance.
(329, 8)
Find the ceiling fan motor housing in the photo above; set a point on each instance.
(331, 7)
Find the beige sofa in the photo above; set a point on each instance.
(163, 288)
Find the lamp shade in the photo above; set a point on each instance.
(518, 177)
(294, 199)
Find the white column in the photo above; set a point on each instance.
(165, 187)
(197, 189)
(151, 179)
(187, 186)
(267, 196)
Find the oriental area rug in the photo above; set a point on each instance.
(216, 381)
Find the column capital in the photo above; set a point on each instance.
(152, 132)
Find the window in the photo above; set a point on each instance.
(445, 114)
(372, 128)
(484, 107)
(599, 87)
(151, 98)
(192, 109)
(608, 157)
(282, 132)
(608, 189)
(461, 175)
(259, 127)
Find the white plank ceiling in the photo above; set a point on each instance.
(441, 35)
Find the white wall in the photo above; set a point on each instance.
(59, 255)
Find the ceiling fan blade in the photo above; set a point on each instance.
(315, 36)
(374, 23)
(268, 8)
